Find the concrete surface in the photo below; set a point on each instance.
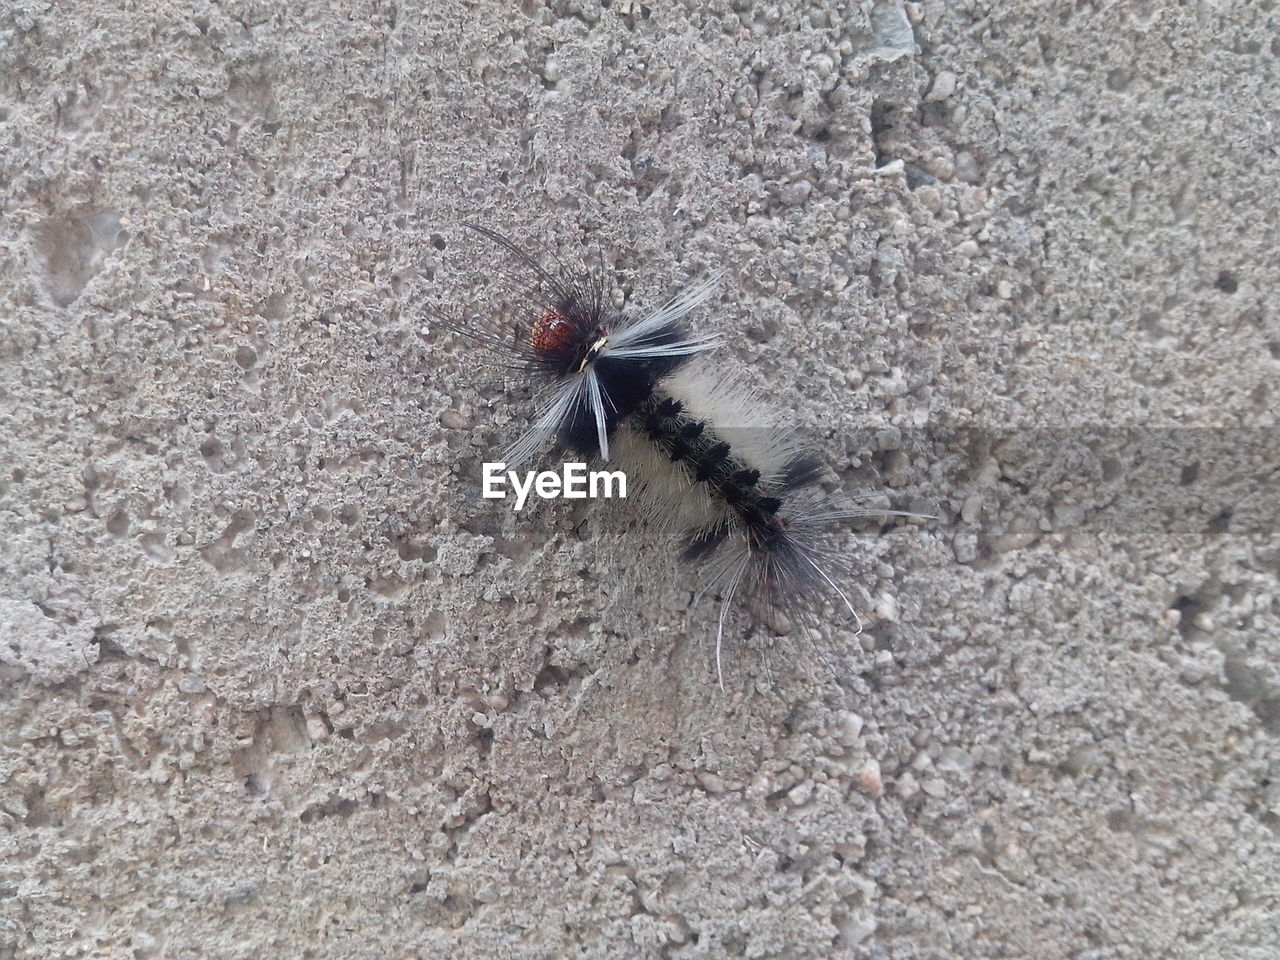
(274, 685)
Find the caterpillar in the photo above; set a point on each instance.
(635, 388)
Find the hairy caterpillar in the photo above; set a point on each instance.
(633, 387)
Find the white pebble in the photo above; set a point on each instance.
(869, 780)
(944, 85)
(712, 783)
(800, 793)
(850, 728)
(823, 65)
(887, 608)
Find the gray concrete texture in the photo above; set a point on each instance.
(274, 684)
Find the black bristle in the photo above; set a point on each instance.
(703, 543)
(802, 471)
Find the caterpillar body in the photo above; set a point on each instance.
(715, 469)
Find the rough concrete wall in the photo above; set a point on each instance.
(274, 685)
